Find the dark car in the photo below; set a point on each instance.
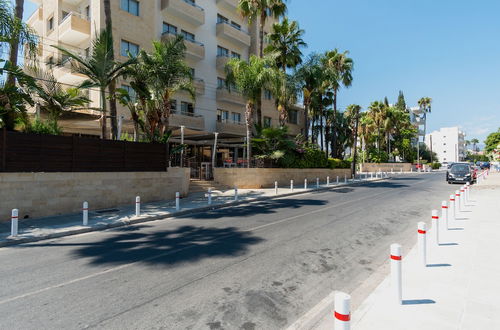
(484, 165)
(461, 173)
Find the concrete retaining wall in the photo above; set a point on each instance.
(45, 194)
(254, 178)
(385, 167)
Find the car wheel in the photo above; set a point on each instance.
(449, 182)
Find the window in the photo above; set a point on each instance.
(187, 108)
(221, 51)
(87, 52)
(50, 24)
(187, 35)
(221, 83)
(130, 6)
(236, 117)
(131, 92)
(192, 72)
(293, 117)
(127, 47)
(87, 12)
(235, 55)
(222, 19)
(64, 15)
(222, 115)
(267, 121)
(50, 61)
(169, 28)
(236, 25)
(268, 95)
(173, 106)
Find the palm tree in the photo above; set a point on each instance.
(99, 68)
(377, 111)
(365, 129)
(285, 41)
(474, 142)
(249, 78)
(353, 113)
(339, 68)
(285, 92)
(167, 73)
(425, 104)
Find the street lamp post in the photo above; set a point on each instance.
(182, 146)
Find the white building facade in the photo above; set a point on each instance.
(448, 143)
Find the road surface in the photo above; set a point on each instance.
(257, 266)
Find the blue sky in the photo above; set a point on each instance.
(445, 49)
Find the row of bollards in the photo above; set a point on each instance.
(449, 211)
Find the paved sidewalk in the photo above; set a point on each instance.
(459, 288)
(70, 224)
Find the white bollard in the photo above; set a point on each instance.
(462, 197)
(422, 242)
(305, 183)
(291, 185)
(275, 187)
(401, 171)
(444, 214)
(337, 179)
(451, 208)
(467, 191)
(327, 180)
(177, 201)
(371, 175)
(396, 273)
(14, 222)
(435, 224)
(342, 312)
(137, 206)
(345, 178)
(457, 202)
(209, 196)
(235, 193)
(317, 183)
(85, 211)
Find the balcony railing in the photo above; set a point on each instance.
(186, 9)
(194, 49)
(74, 29)
(233, 33)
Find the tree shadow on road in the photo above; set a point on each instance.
(257, 208)
(385, 184)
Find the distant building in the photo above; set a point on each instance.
(448, 143)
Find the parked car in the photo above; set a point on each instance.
(484, 165)
(461, 173)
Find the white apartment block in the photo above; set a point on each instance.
(448, 143)
(213, 32)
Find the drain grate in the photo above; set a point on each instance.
(107, 211)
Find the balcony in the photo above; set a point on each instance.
(65, 74)
(230, 127)
(199, 85)
(36, 20)
(230, 5)
(74, 29)
(233, 34)
(194, 50)
(189, 120)
(223, 95)
(185, 9)
(221, 62)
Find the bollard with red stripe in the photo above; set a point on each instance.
(396, 273)
(462, 197)
(342, 312)
(85, 211)
(451, 208)
(137, 206)
(14, 222)
(422, 242)
(457, 202)
(444, 214)
(435, 225)
(467, 191)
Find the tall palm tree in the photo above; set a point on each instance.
(285, 40)
(167, 74)
(250, 78)
(285, 92)
(425, 104)
(377, 111)
(339, 67)
(365, 129)
(353, 113)
(99, 68)
(474, 142)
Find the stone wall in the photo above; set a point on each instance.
(385, 167)
(253, 178)
(44, 194)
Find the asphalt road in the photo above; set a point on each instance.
(259, 266)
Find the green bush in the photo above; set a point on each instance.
(436, 166)
(338, 163)
(44, 127)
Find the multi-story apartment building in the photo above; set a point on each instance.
(448, 143)
(213, 32)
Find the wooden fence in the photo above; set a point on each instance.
(21, 152)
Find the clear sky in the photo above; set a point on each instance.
(448, 50)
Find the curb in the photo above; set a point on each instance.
(123, 223)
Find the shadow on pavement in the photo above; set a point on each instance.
(439, 265)
(166, 247)
(265, 207)
(418, 302)
(384, 184)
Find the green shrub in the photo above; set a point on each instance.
(338, 163)
(44, 127)
(436, 166)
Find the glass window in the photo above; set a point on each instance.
(222, 115)
(127, 47)
(267, 121)
(221, 19)
(50, 23)
(268, 95)
(221, 51)
(235, 25)
(130, 6)
(131, 92)
(221, 83)
(173, 106)
(293, 117)
(169, 28)
(187, 108)
(87, 12)
(236, 117)
(235, 55)
(187, 35)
